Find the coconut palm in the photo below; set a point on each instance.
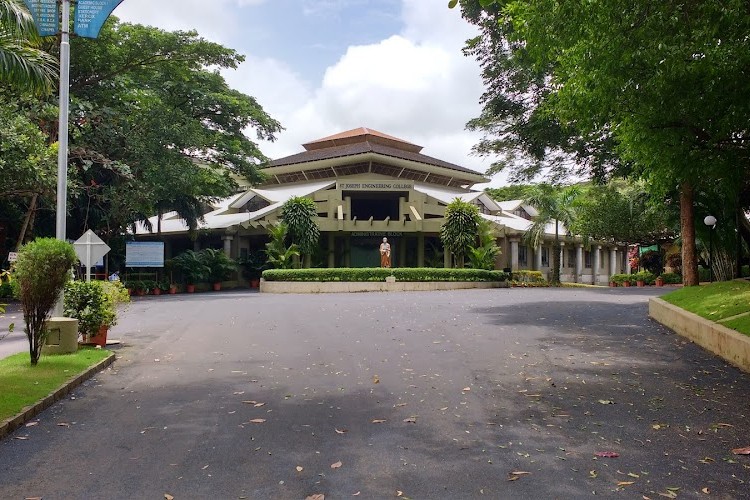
(23, 64)
(553, 205)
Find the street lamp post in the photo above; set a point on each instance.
(710, 221)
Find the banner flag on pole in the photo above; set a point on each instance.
(46, 14)
(90, 16)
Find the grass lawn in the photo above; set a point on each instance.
(22, 384)
(716, 301)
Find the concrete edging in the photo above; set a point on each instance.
(373, 286)
(11, 424)
(732, 346)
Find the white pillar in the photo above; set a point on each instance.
(538, 258)
(596, 263)
(227, 245)
(613, 261)
(562, 258)
(579, 262)
(514, 254)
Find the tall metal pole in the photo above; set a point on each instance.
(711, 255)
(62, 152)
(62, 137)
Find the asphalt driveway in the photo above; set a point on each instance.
(494, 393)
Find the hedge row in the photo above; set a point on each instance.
(525, 276)
(380, 274)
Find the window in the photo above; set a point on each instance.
(545, 257)
(522, 256)
(586, 259)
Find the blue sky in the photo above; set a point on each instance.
(324, 66)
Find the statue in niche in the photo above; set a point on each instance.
(385, 253)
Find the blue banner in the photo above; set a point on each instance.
(46, 16)
(91, 14)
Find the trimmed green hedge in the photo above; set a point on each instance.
(671, 278)
(380, 274)
(525, 276)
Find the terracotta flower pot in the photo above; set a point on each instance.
(172, 290)
(156, 291)
(254, 283)
(217, 287)
(640, 283)
(613, 284)
(140, 293)
(659, 282)
(626, 283)
(99, 339)
(190, 288)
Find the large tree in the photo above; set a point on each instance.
(658, 89)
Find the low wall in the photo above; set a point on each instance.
(733, 346)
(372, 286)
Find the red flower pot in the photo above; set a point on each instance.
(626, 283)
(172, 290)
(640, 283)
(254, 283)
(190, 288)
(217, 287)
(156, 291)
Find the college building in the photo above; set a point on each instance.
(368, 185)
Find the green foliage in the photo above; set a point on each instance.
(652, 261)
(525, 276)
(23, 65)
(280, 256)
(622, 278)
(483, 256)
(647, 277)
(253, 265)
(512, 192)
(554, 206)
(220, 266)
(379, 274)
(299, 214)
(671, 278)
(713, 301)
(94, 304)
(459, 231)
(42, 269)
(191, 266)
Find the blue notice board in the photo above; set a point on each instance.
(46, 16)
(90, 16)
(144, 254)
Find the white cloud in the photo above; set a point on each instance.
(416, 84)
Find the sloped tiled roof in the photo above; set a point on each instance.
(366, 147)
(361, 134)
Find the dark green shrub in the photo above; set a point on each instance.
(622, 278)
(219, 266)
(652, 261)
(192, 267)
(379, 274)
(671, 278)
(42, 269)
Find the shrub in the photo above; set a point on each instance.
(644, 276)
(220, 266)
(621, 278)
(652, 261)
(6, 288)
(459, 231)
(94, 304)
(379, 274)
(525, 276)
(671, 278)
(674, 261)
(192, 267)
(42, 269)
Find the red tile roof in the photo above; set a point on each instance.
(359, 135)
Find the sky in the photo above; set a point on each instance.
(324, 66)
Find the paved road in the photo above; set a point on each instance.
(11, 343)
(495, 381)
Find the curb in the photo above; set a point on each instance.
(375, 286)
(29, 412)
(732, 346)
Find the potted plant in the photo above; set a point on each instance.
(192, 267)
(252, 267)
(659, 281)
(94, 305)
(220, 267)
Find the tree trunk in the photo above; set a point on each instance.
(27, 221)
(687, 230)
(556, 256)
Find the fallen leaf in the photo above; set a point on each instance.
(375, 379)
(742, 451)
(63, 424)
(607, 454)
(356, 494)
(21, 438)
(33, 498)
(250, 402)
(625, 483)
(606, 402)
(317, 496)
(258, 405)
(336, 465)
(399, 493)
(342, 431)
(466, 389)
(400, 405)
(167, 496)
(378, 421)
(593, 474)
(706, 491)
(411, 420)
(256, 421)
(520, 473)
(32, 424)
(443, 408)
(299, 469)
(204, 467)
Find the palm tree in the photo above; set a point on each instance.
(23, 64)
(552, 204)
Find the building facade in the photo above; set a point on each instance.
(368, 185)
